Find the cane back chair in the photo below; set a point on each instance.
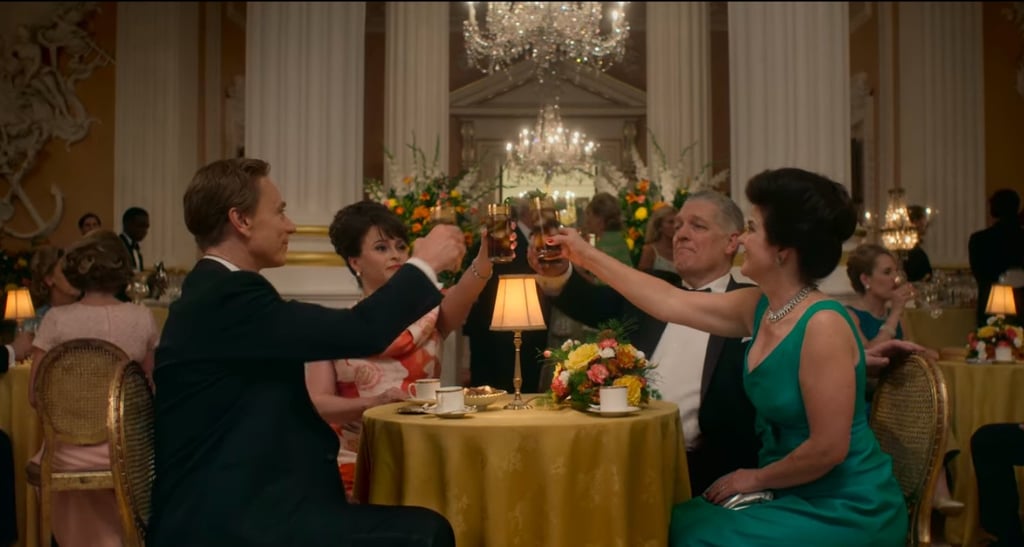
(131, 426)
(910, 416)
(72, 388)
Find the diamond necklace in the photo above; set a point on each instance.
(776, 316)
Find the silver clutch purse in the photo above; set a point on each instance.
(742, 501)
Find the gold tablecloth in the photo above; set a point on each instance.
(949, 329)
(981, 394)
(160, 310)
(19, 420)
(531, 478)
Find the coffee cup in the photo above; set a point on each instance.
(450, 399)
(613, 399)
(425, 389)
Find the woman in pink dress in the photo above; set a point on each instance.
(100, 266)
(374, 243)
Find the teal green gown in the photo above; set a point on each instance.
(857, 503)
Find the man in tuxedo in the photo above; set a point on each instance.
(242, 456)
(135, 226)
(703, 374)
(997, 248)
(492, 354)
(14, 351)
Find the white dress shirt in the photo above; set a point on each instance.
(680, 358)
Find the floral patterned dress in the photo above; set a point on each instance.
(412, 356)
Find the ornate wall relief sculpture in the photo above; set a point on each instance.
(40, 65)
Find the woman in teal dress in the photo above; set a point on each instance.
(805, 375)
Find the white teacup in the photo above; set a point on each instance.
(450, 399)
(425, 389)
(613, 398)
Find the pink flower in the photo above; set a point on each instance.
(547, 354)
(558, 386)
(597, 374)
(607, 343)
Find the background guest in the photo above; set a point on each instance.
(135, 226)
(99, 264)
(878, 310)
(374, 243)
(917, 265)
(997, 248)
(89, 222)
(603, 219)
(657, 251)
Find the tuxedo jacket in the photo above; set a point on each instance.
(992, 251)
(242, 456)
(726, 416)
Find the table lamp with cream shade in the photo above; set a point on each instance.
(1000, 301)
(517, 308)
(19, 306)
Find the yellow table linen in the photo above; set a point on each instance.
(949, 329)
(531, 478)
(160, 310)
(19, 420)
(980, 394)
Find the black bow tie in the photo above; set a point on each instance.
(706, 289)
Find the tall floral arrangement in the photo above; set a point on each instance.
(605, 359)
(411, 196)
(654, 187)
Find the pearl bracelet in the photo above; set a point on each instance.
(476, 273)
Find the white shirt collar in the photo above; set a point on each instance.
(718, 285)
(223, 262)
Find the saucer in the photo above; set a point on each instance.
(613, 413)
(466, 410)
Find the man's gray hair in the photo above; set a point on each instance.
(730, 218)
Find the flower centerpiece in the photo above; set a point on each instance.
(654, 187)
(995, 338)
(606, 359)
(412, 196)
(14, 270)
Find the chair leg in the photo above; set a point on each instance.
(45, 501)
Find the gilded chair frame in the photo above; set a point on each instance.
(895, 424)
(130, 422)
(72, 385)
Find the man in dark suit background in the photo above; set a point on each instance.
(997, 248)
(492, 354)
(242, 456)
(134, 227)
(703, 374)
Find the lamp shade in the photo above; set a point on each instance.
(517, 307)
(1000, 301)
(19, 305)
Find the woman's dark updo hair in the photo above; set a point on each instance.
(98, 262)
(352, 222)
(806, 212)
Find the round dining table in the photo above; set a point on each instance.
(530, 478)
(980, 394)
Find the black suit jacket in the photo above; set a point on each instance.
(726, 416)
(917, 265)
(242, 456)
(992, 251)
(5, 359)
(492, 354)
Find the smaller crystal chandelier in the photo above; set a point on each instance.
(550, 148)
(547, 33)
(898, 233)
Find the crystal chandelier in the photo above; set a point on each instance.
(550, 148)
(547, 33)
(897, 232)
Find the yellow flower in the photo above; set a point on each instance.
(630, 243)
(580, 356)
(392, 202)
(633, 386)
(640, 214)
(407, 180)
(455, 194)
(986, 332)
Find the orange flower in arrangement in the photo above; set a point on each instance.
(416, 228)
(421, 213)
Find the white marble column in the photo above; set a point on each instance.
(679, 83)
(416, 82)
(304, 114)
(942, 137)
(156, 122)
(789, 89)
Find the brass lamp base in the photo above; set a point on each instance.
(517, 381)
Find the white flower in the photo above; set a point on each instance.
(981, 349)
(607, 353)
(640, 355)
(566, 345)
(564, 377)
